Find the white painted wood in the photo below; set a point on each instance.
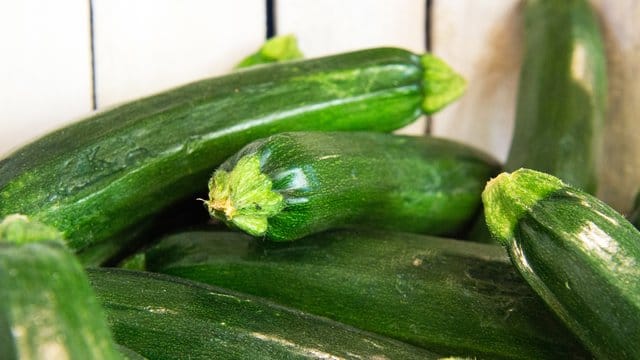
(482, 40)
(45, 67)
(145, 46)
(332, 26)
(620, 166)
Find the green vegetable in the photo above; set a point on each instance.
(48, 309)
(162, 317)
(276, 49)
(97, 178)
(294, 184)
(448, 296)
(561, 97)
(576, 252)
(562, 94)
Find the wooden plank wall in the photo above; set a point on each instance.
(61, 60)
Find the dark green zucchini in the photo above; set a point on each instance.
(562, 93)
(561, 97)
(294, 184)
(47, 308)
(95, 179)
(448, 296)
(161, 317)
(578, 254)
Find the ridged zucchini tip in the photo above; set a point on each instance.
(19, 229)
(243, 197)
(441, 84)
(506, 199)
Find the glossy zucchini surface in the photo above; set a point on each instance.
(163, 317)
(96, 179)
(294, 184)
(448, 296)
(578, 254)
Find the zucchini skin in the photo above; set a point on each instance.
(578, 254)
(162, 317)
(562, 93)
(359, 179)
(48, 309)
(96, 178)
(448, 296)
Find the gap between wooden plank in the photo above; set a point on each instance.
(271, 18)
(94, 99)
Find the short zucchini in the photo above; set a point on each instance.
(47, 308)
(95, 179)
(451, 297)
(577, 253)
(163, 317)
(294, 184)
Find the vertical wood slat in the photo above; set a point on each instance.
(45, 67)
(332, 26)
(146, 46)
(481, 39)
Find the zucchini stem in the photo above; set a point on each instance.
(508, 196)
(243, 197)
(441, 84)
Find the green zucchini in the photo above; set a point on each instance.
(562, 93)
(162, 317)
(95, 179)
(451, 297)
(48, 309)
(290, 185)
(276, 49)
(561, 97)
(577, 253)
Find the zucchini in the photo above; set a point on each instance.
(162, 317)
(561, 97)
(290, 185)
(95, 179)
(48, 309)
(576, 252)
(448, 296)
(562, 93)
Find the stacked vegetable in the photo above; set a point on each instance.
(340, 215)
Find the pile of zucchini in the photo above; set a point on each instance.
(271, 213)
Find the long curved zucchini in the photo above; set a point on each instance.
(577, 253)
(47, 308)
(290, 185)
(162, 317)
(448, 296)
(96, 178)
(562, 93)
